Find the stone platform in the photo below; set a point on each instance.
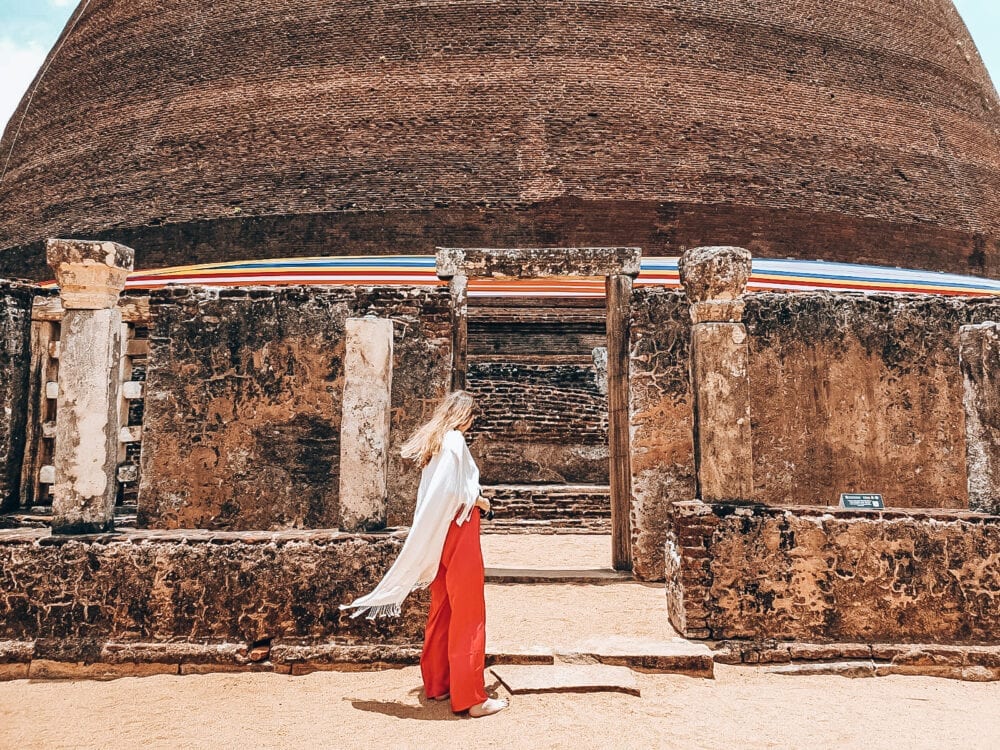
(549, 509)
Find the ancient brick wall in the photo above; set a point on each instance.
(797, 573)
(539, 423)
(195, 586)
(243, 400)
(859, 393)
(543, 411)
(376, 127)
(15, 334)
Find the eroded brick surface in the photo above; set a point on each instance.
(243, 401)
(376, 127)
(859, 393)
(757, 573)
(190, 586)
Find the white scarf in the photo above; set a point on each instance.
(448, 484)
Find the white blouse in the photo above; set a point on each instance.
(449, 487)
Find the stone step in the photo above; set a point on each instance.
(676, 656)
(40, 516)
(520, 679)
(597, 526)
(596, 576)
(549, 508)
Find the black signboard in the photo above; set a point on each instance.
(861, 501)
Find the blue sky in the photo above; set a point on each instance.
(28, 29)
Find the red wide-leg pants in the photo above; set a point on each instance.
(454, 654)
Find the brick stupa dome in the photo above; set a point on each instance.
(195, 132)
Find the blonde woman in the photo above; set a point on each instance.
(442, 551)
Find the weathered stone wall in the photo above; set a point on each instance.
(243, 401)
(857, 393)
(195, 586)
(543, 423)
(660, 406)
(15, 335)
(798, 573)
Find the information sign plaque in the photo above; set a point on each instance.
(861, 501)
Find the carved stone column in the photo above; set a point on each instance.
(91, 276)
(364, 426)
(714, 279)
(979, 355)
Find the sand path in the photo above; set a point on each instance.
(742, 708)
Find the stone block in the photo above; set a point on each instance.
(840, 580)
(257, 425)
(563, 678)
(91, 275)
(537, 262)
(87, 409)
(721, 388)
(47, 669)
(365, 422)
(136, 597)
(13, 671)
(838, 668)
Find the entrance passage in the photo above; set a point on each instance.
(538, 369)
(551, 374)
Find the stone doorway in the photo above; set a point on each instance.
(551, 374)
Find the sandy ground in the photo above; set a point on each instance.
(541, 551)
(558, 615)
(742, 708)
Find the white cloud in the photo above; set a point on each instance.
(18, 65)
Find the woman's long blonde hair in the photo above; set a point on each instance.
(454, 411)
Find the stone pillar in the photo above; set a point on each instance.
(714, 279)
(979, 356)
(618, 290)
(459, 287)
(364, 426)
(91, 276)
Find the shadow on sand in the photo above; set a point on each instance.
(428, 710)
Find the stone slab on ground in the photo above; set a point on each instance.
(593, 576)
(841, 668)
(566, 678)
(675, 656)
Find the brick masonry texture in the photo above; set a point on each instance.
(192, 586)
(810, 129)
(539, 423)
(859, 393)
(754, 572)
(15, 333)
(243, 401)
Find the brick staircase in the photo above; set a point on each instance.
(549, 509)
